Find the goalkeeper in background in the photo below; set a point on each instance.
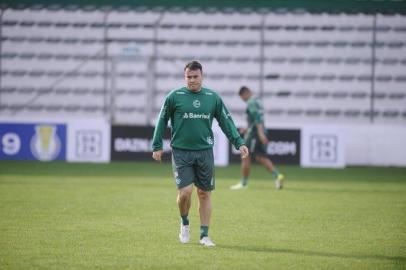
(256, 141)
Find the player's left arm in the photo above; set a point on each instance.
(244, 151)
(227, 125)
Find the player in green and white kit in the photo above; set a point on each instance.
(256, 140)
(191, 110)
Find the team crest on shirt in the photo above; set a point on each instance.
(196, 103)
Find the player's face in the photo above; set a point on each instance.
(246, 96)
(193, 79)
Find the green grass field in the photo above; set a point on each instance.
(124, 216)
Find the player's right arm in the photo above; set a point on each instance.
(161, 123)
(227, 125)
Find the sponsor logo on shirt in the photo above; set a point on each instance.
(196, 116)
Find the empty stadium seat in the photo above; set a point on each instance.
(313, 66)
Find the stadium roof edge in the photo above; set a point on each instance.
(226, 6)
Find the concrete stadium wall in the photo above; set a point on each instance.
(376, 145)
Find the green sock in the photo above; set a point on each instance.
(185, 219)
(244, 181)
(204, 231)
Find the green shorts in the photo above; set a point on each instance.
(255, 146)
(193, 167)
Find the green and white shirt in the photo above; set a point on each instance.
(255, 116)
(191, 114)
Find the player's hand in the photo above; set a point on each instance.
(244, 151)
(157, 155)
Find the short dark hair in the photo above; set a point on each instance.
(194, 65)
(243, 90)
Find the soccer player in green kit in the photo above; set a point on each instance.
(191, 110)
(256, 140)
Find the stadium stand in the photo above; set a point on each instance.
(121, 62)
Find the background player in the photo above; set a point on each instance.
(256, 140)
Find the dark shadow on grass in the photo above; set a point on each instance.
(313, 253)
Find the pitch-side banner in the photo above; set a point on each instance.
(134, 143)
(322, 147)
(283, 147)
(88, 141)
(32, 141)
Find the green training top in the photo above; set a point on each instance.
(255, 115)
(191, 114)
